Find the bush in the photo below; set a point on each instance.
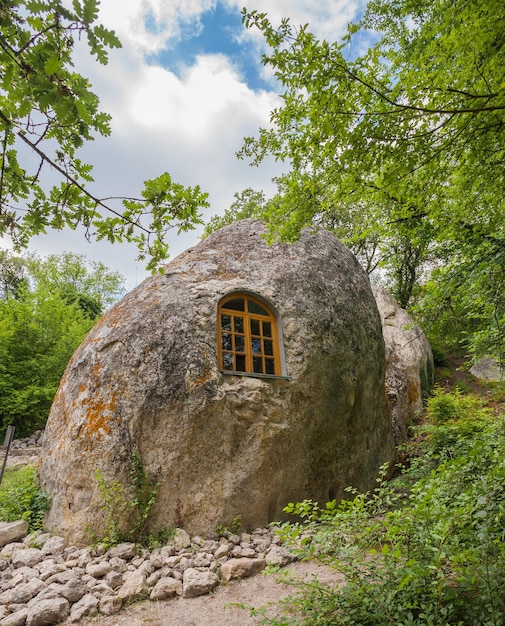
(440, 357)
(430, 554)
(443, 407)
(22, 498)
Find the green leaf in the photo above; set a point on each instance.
(52, 65)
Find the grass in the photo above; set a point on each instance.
(22, 498)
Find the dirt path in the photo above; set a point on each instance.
(220, 608)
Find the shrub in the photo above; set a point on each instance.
(443, 407)
(433, 555)
(22, 498)
(440, 358)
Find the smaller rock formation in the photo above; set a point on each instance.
(409, 363)
(12, 531)
(488, 369)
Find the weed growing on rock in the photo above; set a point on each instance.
(127, 509)
(234, 528)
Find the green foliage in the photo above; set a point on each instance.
(248, 203)
(47, 113)
(114, 505)
(12, 275)
(39, 332)
(91, 284)
(455, 418)
(127, 508)
(427, 548)
(22, 498)
(443, 407)
(400, 151)
(440, 356)
(234, 527)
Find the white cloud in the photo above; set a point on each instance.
(148, 25)
(207, 102)
(326, 19)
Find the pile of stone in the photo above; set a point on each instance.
(24, 451)
(43, 581)
(27, 445)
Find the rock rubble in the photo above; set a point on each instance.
(27, 445)
(44, 581)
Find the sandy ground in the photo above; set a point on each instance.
(223, 607)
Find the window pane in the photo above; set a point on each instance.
(254, 307)
(239, 343)
(247, 333)
(238, 324)
(226, 342)
(225, 322)
(235, 305)
(255, 327)
(269, 366)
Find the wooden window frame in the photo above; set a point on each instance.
(248, 355)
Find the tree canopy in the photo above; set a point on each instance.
(399, 148)
(47, 112)
(247, 203)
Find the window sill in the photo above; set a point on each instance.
(252, 375)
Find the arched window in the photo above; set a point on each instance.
(247, 336)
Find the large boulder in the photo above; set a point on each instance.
(409, 363)
(148, 378)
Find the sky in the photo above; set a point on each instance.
(184, 90)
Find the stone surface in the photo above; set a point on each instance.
(74, 589)
(15, 619)
(11, 532)
(241, 568)
(279, 556)
(86, 606)
(198, 583)
(488, 369)
(409, 363)
(98, 570)
(45, 612)
(166, 587)
(181, 539)
(147, 378)
(123, 551)
(27, 557)
(110, 605)
(54, 545)
(71, 592)
(22, 593)
(134, 588)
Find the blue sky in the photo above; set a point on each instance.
(217, 30)
(184, 90)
